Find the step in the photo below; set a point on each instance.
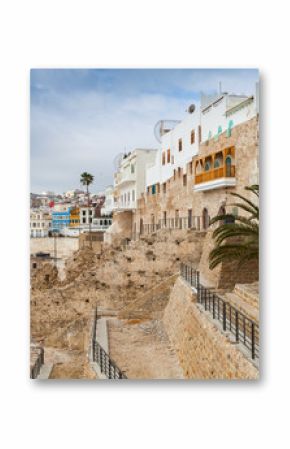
(244, 307)
(249, 293)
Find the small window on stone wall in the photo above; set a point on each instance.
(184, 180)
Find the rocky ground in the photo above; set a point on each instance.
(133, 281)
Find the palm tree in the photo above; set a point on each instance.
(86, 180)
(242, 232)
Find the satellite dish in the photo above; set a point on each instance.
(164, 126)
(191, 109)
(117, 160)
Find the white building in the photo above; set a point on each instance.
(216, 114)
(222, 112)
(129, 180)
(178, 146)
(107, 209)
(86, 216)
(40, 223)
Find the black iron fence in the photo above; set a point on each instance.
(37, 354)
(100, 356)
(106, 364)
(245, 330)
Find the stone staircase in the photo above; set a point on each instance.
(245, 297)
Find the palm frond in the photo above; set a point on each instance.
(238, 240)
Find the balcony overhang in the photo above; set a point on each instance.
(214, 184)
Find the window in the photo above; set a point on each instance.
(199, 133)
(184, 180)
(133, 195)
(84, 220)
(216, 163)
(172, 160)
(132, 168)
(192, 137)
(163, 158)
(207, 166)
(129, 197)
(228, 166)
(34, 265)
(153, 189)
(164, 187)
(168, 156)
(174, 173)
(179, 172)
(179, 144)
(91, 212)
(190, 167)
(84, 212)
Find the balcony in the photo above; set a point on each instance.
(125, 177)
(217, 170)
(119, 207)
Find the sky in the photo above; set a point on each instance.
(82, 119)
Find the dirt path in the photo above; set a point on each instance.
(142, 349)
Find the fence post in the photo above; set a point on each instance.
(253, 340)
(224, 316)
(237, 326)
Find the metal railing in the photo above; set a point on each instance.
(39, 361)
(106, 364)
(100, 356)
(193, 222)
(245, 330)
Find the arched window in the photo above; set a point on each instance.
(205, 218)
(216, 163)
(207, 166)
(228, 162)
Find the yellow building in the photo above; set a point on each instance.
(74, 218)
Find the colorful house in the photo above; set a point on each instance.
(60, 219)
(74, 217)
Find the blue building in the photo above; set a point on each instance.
(60, 219)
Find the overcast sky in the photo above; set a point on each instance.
(81, 119)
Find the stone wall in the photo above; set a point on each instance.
(204, 352)
(65, 245)
(226, 274)
(120, 229)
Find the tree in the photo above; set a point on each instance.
(86, 180)
(237, 238)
